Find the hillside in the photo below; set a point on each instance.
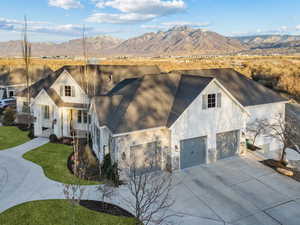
(179, 41)
(260, 40)
(176, 41)
(95, 45)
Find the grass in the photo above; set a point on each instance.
(58, 212)
(53, 159)
(12, 137)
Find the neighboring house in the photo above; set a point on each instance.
(14, 80)
(180, 119)
(60, 101)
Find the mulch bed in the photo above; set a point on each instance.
(104, 207)
(276, 164)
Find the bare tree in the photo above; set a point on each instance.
(26, 52)
(151, 197)
(279, 128)
(73, 193)
(106, 190)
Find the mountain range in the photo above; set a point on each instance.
(179, 40)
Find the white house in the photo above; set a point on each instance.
(181, 119)
(59, 103)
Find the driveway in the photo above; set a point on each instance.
(237, 191)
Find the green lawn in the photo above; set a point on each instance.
(53, 158)
(11, 137)
(58, 212)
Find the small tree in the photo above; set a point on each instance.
(73, 193)
(9, 116)
(26, 52)
(279, 128)
(150, 192)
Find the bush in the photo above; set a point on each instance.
(53, 138)
(110, 171)
(31, 133)
(9, 117)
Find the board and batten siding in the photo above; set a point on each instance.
(198, 122)
(266, 111)
(41, 100)
(122, 146)
(65, 79)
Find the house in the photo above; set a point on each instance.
(180, 119)
(60, 101)
(14, 80)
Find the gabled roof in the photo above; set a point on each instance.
(245, 90)
(16, 76)
(101, 78)
(148, 102)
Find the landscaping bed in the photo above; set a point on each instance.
(280, 168)
(59, 212)
(11, 136)
(104, 207)
(53, 158)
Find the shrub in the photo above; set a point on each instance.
(53, 138)
(110, 171)
(31, 133)
(9, 117)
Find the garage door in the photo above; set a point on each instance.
(146, 157)
(192, 152)
(227, 144)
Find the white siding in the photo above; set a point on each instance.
(196, 122)
(266, 111)
(66, 79)
(44, 99)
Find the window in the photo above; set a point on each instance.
(85, 117)
(82, 116)
(11, 94)
(25, 107)
(211, 101)
(46, 112)
(68, 91)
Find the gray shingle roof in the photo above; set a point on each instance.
(245, 90)
(148, 102)
(101, 78)
(16, 76)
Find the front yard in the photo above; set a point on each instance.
(12, 137)
(58, 212)
(53, 159)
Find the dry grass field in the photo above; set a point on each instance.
(282, 73)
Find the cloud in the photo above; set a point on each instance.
(119, 18)
(168, 25)
(134, 11)
(72, 30)
(65, 4)
(278, 31)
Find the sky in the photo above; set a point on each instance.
(63, 20)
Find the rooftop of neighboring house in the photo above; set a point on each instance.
(157, 101)
(17, 75)
(100, 78)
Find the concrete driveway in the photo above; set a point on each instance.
(236, 191)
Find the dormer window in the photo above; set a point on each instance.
(211, 101)
(68, 91)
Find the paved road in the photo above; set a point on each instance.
(236, 191)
